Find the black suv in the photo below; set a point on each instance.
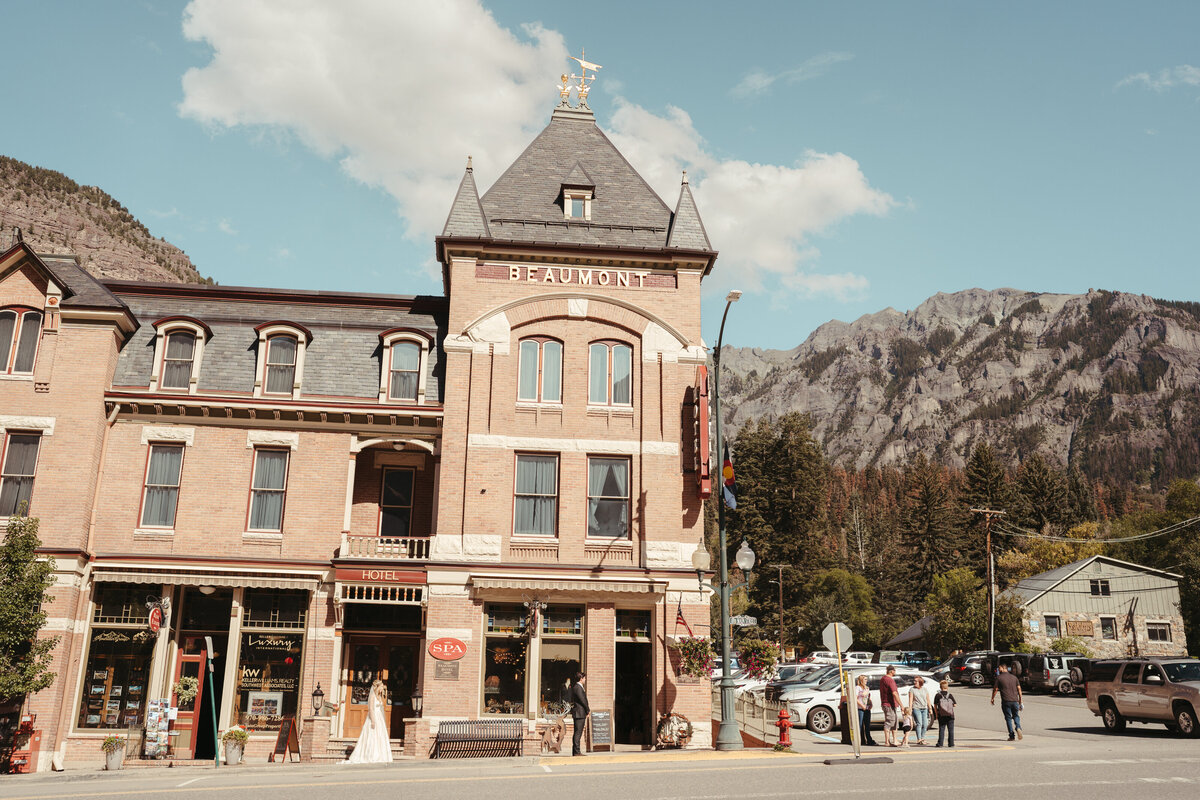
(975, 669)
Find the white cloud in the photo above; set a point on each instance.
(226, 227)
(1169, 78)
(758, 82)
(401, 92)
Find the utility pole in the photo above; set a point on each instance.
(991, 572)
(781, 568)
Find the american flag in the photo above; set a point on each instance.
(679, 620)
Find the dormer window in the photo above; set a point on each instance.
(577, 204)
(20, 332)
(281, 348)
(405, 353)
(178, 349)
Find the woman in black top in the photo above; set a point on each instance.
(943, 709)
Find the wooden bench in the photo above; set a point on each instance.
(471, 738)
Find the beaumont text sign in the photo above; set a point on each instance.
(590, 277)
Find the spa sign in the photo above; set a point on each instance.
(447, 649)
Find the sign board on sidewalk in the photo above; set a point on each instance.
(837, 637)
(743, 621)
(602, 728)
(287, 741)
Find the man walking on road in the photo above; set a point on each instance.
(889, 698)
(1009, 689)
(579, 711)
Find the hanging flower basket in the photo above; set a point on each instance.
(757, 658)
(695, 656)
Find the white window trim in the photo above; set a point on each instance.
(577, 194)
(385, 365)
(260, 375)
(160, 530)
(11, 356)
(12, 422)
(160, 351)
(1170, 630)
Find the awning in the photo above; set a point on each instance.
(568, 586)
(252, 580)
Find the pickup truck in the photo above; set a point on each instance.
(1156, 690)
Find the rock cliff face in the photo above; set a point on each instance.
(1106, 381)
(57, 215)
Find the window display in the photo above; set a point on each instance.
(561, 657)
(505, 661)
(269, 661)
(118, 661)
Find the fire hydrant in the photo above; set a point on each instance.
(785, 725)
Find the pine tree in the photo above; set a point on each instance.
(24, 581)
(987, 482)
(932, 525)
(1041, 494)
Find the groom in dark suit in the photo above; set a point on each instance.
(579, 710)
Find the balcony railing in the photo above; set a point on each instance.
(386, 548)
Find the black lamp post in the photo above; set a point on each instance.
(417, 700)
(318, 700)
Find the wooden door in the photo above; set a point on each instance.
(394, 660)
(191, 663)
(362, 667)
(401, 679)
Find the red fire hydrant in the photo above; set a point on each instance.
(785, 725)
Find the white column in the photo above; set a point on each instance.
(349, 491)
(233, 650)
(162, 661)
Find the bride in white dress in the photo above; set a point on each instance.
(373, 745)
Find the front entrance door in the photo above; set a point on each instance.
(631, 707)
(192, 660)
(394, 659)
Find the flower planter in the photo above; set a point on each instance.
(114, 759)
(233, 753)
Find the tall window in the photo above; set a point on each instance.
(610, 367)
(505, 661)
(281, 364)
(540, 371)
(20, 466)
(536, 506)
(267, 489)
(178, 359)
(608, 497)
(20, 330)
(562, 656)
(395, 503)
(162, 486)
(405, 371)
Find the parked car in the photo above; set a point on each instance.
(976, 669)
(1153, 690)
(942, 671)
(717, 663)
(817, 708)
(920, 659)
(775, 689)
(857, 657)
(822, 657)
(1017, 663)
(1051, 672)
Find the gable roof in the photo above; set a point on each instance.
(79, 288)
(1035, 586)
(578, 178)
(912, 633)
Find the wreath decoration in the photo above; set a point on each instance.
(186, 688)
(695, 656)
(674, 730)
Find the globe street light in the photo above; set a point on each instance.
(728, 736)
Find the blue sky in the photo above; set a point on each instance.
(845, 156)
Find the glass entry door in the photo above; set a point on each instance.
(394, 659)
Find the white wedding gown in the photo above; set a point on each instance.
(373, 745)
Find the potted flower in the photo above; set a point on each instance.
(114, 751)
(235, 744)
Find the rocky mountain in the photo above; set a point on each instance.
(1108, 382)
(57, 215)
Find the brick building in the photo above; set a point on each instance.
(324, 484)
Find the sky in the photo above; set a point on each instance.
(845, 156)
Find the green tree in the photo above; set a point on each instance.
(932, 525)
(24, 581)
(958, 606)
(987, 481)
(1041, 494)
(1081, 497)
(837, 595)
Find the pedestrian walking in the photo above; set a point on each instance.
(862, 697)
(579, 711)
(1008, 686)
(906, 724)
(943, 707)
(920, 700)
(889, 699)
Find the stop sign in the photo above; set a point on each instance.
(844, 637)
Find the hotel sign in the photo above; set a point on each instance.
(372, 575)
(583, 277)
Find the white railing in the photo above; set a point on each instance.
(387, 548)
(756, 716)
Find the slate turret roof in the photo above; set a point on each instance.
(466, 215)
(687, 229)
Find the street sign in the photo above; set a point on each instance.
(743, 621)
(837, 637)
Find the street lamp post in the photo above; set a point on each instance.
(728, 736)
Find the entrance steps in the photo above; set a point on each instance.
(339, 750)
(141, 763)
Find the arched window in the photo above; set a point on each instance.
(610, 379)
(178, 359)
(405, 371)
(178, 351)
(20, 332)
(281, 364)
(404, 365)
(539, 371)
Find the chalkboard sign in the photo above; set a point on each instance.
(602, 728)
(286, 742)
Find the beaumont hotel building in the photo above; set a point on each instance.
(327, 484)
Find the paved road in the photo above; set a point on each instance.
(1065, 750)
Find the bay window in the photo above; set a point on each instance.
(161, 495)
(535, 511)
(268, 488)
(20, 467)
(539, 371)
(608, 498)
(610, 374)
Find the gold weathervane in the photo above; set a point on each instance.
(584, 81)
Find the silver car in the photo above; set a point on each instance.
(1156, 690)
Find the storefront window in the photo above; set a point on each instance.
(505, 661)
(633, 625)
(120, 650)
(269, 661)
(561, 657)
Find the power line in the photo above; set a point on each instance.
(1009, 529)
